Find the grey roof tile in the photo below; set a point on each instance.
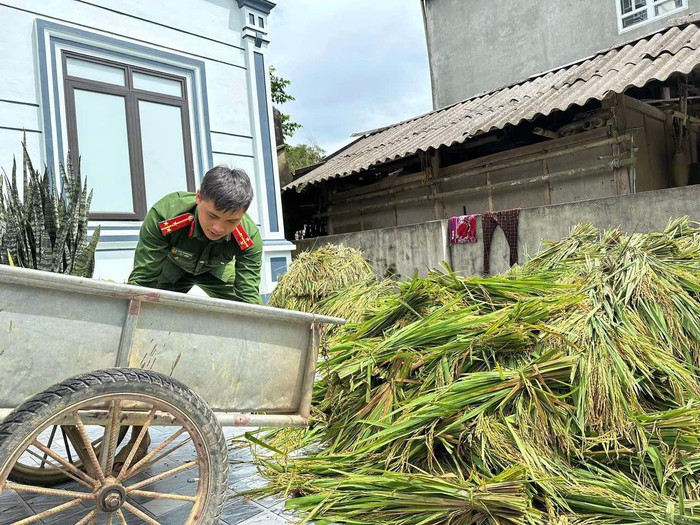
(655, 57)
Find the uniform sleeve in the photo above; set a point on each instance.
(151, 251)
(246, 285)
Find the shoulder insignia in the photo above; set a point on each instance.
(176, 223)
(242, 237)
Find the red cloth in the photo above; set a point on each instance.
(462, 229)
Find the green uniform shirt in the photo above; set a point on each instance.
(185, 255)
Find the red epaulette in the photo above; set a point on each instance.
(242, 237)
(170, 225)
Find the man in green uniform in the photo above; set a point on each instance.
(205, 239)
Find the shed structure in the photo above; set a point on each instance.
(622, 121)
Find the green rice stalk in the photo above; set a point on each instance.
(575, 376)
(314, 276)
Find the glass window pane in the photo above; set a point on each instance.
(662, 8)
(634, 19)
(278, 267)
(627, 6)
(157, 84)
(104, 150)
(94, 71)
(163, 150)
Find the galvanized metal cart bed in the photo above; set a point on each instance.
(147, 359)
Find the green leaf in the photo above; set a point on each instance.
(250, 437)
(47, 230)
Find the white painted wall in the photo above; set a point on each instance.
(206, 30)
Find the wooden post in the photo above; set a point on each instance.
(433, 172)
(547, 183)
(618, 109)
(329, 210)
(488, 190)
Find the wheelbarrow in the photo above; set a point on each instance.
(83, 360)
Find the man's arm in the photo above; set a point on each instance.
(151, 251)
(246, 285)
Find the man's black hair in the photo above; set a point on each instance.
(229, 189)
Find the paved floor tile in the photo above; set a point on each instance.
(237, 510)
(176, 516)
(13, 508)
(266, 518)
(271, 502)
(160, 507)
(70, 516)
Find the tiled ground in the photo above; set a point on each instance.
(243, 475)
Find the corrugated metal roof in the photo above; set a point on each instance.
(656, 57)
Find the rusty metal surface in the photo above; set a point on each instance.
(240, 358)
(656, 57)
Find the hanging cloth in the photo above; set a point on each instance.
(462, 229)
(508, 220)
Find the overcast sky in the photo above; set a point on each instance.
(354, 65)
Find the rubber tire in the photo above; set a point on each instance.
(37, 411)
(52, 477)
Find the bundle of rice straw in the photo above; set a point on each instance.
(316, 275)
(566, 391)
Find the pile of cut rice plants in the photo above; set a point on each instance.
(316, 275)
(563, 392)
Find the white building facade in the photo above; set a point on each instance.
(150, 95)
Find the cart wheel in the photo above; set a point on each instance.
(65, 440)
(188, 464)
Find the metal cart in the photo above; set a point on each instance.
(83, 360)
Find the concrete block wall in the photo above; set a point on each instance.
(406, 250)
(401, 251)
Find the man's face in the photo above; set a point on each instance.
(216, 224)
